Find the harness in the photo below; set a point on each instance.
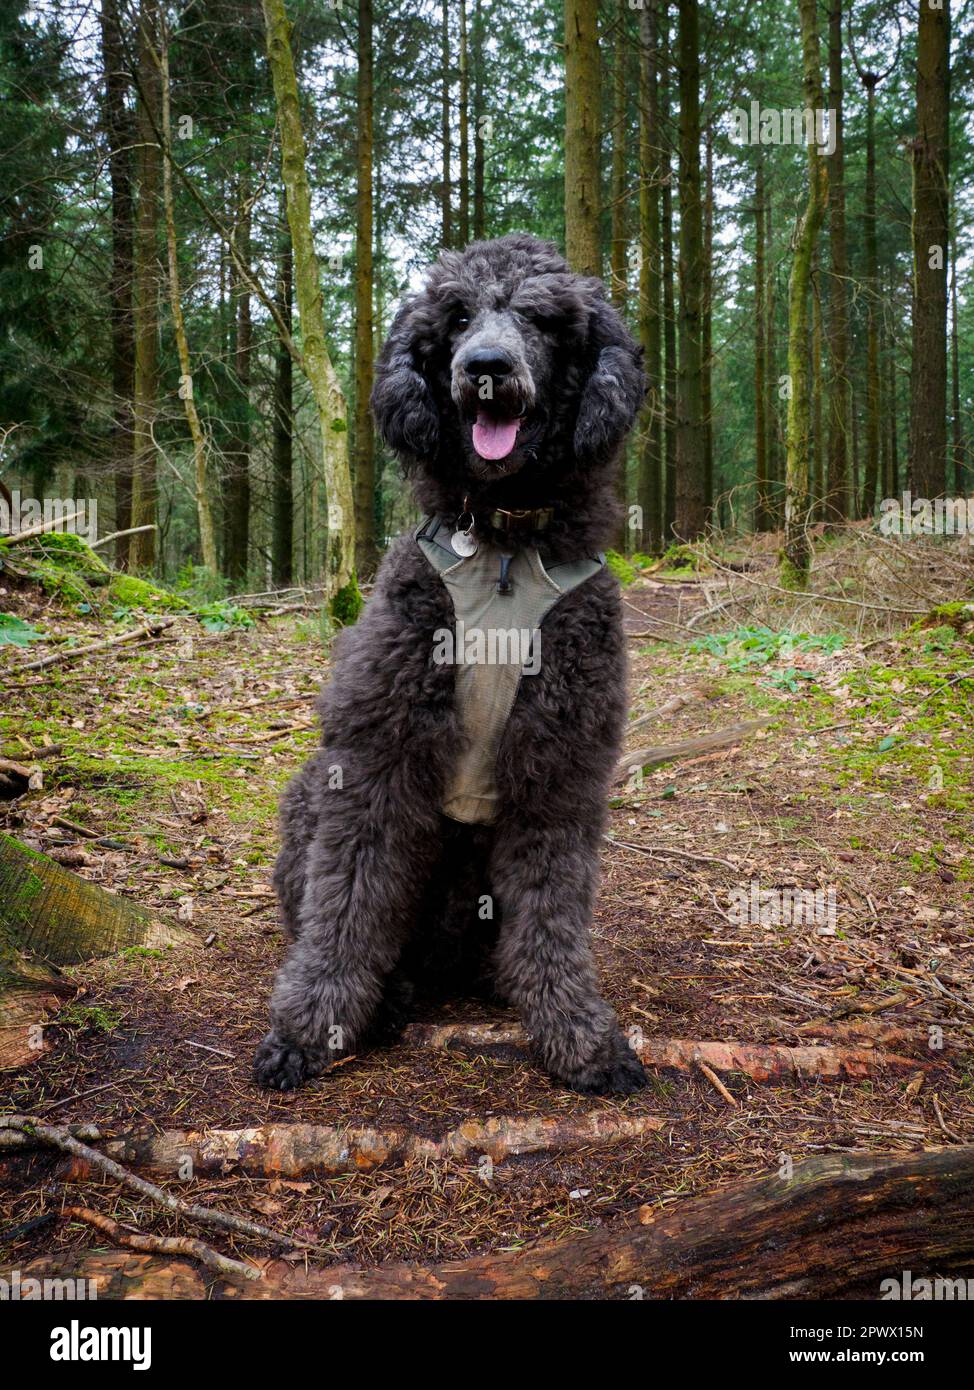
(501, 597)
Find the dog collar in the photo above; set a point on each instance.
(522, 519)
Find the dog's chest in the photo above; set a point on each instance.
(500, 600)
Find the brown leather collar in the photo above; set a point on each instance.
(523, 519)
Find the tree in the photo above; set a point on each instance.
(837, 486)
(341, 589)
(796, 559)
(282, 523)
(930, 149)
(446, 187)
(651, 433)
(479, 202)
(691, 503)
(762, 508)
(582, 124)
(463, 74)
(618, 273)
(365, 547)
(142, 552)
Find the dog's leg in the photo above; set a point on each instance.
(553, 771)
(364, 875)
(545, 880)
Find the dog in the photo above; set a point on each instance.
(450, 823)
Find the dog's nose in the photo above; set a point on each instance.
(493, 362)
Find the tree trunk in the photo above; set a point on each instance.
(818, 434)
(796, 560)
(669, 308)
(691, 503)
(118, 132)
(463, 132)
(282, 543)
(237, 487)
(365, 546)
(651, 434)
(928, 395)
(582, 125)
(479, 198)
(836, 1225)
(871, 460)
(955, 415)
(340, 586)
(50, 917)
(200, 443)
(762, 510)
(446, 188)
(837, 484)
(618, 272)
(893, 480)
(142, 551)
(771, 339)
(706, 345)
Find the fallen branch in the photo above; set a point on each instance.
(163, 1245)
(117, 535)
(655, 756)
(42, 528)
(60, 1137)
(838, 1225)
(759, 1061)
(73, 653)
(290, 1150)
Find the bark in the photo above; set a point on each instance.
(871, 458)
(796, 560)
(658, 754)
(771, 338)
(340, 587)
(237, 484)
(582, 126)
(118, 131)
(142, 546)
(479, 197)
(463, 105)
(837, 485)
(618, 266)
(762, 509)
(957, 442)
(365, 543)
(669, 312)
(200, 442)
(691, 502)
(818, 435)
(893, 480)
(928, 395)
(282, 547)
(839, 1224)
(446, 189)
(291, 1150)
(651, 432)
(706, 345)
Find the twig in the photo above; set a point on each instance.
(73, 653)
(41, 528)
(164, 1245)
(717, 1084)
(666, 849)
(129, 531)
(655, 756)
(61, 1138)
(950, 1133)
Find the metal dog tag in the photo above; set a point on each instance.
(464, 544)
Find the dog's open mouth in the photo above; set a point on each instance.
(494, 437)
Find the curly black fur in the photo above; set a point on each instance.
(378, 890)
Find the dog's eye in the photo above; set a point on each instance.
(461, 321)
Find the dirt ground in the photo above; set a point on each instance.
(174, 755)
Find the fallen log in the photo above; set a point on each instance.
(50, 917)
(65, 654)
(290, 1150)
(644, 759)
(841, 1223)
(759, 1061)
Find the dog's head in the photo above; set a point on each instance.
(505, 376)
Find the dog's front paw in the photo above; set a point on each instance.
(615, 1071)
(280, 1065)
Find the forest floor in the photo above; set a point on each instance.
(173, 754)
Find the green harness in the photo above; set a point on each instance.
(500, 599)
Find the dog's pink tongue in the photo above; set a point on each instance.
(494, 439)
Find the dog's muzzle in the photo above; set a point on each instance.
(495, 390)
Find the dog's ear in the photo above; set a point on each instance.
(402, 403)
(616, 387)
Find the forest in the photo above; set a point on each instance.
(802, 306)
(211, 212)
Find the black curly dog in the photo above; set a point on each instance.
(506, 387)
